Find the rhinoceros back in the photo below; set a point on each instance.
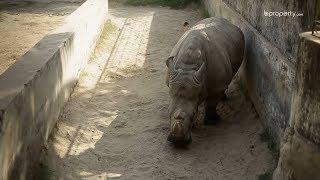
(225, 36)
(223, 46)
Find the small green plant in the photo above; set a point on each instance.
(205, 13)
(265, 176)
(42, 172)
(176, 4)
(3, 6)
(10, 5)
(108, 28)
(273, 147)
(1, 17)
(266, 136)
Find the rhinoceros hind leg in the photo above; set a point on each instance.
(224, 97)
(212, 117)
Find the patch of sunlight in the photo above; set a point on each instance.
(125, 91)
(90, 176)
(73, 140)
(315, 37)
(104, 91)
(130, 51)
(85, 173)
(113, 175)
(80, 147)
(203, 26)
(90, 75)
(105, 121)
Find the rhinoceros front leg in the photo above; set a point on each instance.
(212, 117)
(200, 115)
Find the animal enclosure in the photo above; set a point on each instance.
(83, 92)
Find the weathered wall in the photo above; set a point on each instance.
(34, 90)
(300, 150)
(271, 51)
(283, 33)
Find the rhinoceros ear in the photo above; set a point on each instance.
(169, 63)
(200, 73)
(171, 67)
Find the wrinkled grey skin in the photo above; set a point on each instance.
(200, 68)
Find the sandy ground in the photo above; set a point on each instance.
(115, 124)
(22, 25)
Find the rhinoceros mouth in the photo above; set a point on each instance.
(178, 135)
(183, 140)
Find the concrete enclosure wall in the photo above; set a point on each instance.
(300, 150)
(34, 90)
(271, 52)
(283, 32)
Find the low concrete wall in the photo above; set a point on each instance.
(300, 150)
(271, 46)
(34, 90)
(46, 1)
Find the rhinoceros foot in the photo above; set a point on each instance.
(212, 118)
(178, 141)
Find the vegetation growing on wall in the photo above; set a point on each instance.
(6, 5)
(273, 147)
(107, 30)
(266, 137)
(42, 172)
(205, 12)
(176, 4)
(265, 176)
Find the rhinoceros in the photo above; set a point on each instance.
(200, 68)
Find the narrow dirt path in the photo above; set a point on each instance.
(115, 125)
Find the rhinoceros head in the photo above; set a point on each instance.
(186, 90)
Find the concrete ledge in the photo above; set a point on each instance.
(34, 90)
(267, 74)
(300, 150)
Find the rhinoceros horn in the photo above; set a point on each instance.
(199, 74)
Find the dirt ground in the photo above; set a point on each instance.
(115, 124)
(23, 24)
